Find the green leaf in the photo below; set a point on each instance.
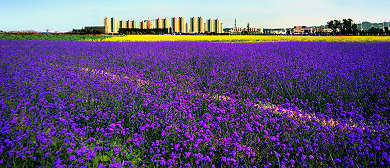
(47, 131)
(105, 158)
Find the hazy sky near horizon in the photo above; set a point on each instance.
(75, 14)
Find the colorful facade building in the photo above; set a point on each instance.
(110, 26)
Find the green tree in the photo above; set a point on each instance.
(335, 25)
(347, 26)
(373, 31)
(330, 25)
(355, 29)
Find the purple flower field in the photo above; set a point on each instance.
(194, 104)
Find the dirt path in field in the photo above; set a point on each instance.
(297, 115)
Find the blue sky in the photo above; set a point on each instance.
(69, 14)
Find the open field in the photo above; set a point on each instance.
(53, 37)
(248, 39)
(190, 104)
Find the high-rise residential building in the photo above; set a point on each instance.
(134, 24)
(110, 26)
(201, 25)
(194, 25)
(159, 23)
(143, 25)
(178, 25)
(210, 26)
(128, 24)
(182, 25)
(175, 25)
(166, 23)
(122, 24)
(149, 24)
(217, 26)
(114, 25)
(106, 25)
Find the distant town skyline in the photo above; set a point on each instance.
(41, 15)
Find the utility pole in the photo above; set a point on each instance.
(235, 23)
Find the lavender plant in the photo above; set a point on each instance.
(191, 104)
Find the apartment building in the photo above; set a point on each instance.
(110, 25)
(201, 25)
(210, 26)
(182, 25)
(177, 25)
(122, 24)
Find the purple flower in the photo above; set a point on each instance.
(223, 159)
(72, 157)
(277, 154)
(193, 129)
(299, 149)
(163, 133)
(303, 157)
(311, 157)
(58, 161)
(69, 150)
(115, 165)
(272, 138)
(292, 162)
(212, 148)
(384, 154)
(80, 160)
(187, 154)
(177, 147)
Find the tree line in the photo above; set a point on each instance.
(348, 27)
